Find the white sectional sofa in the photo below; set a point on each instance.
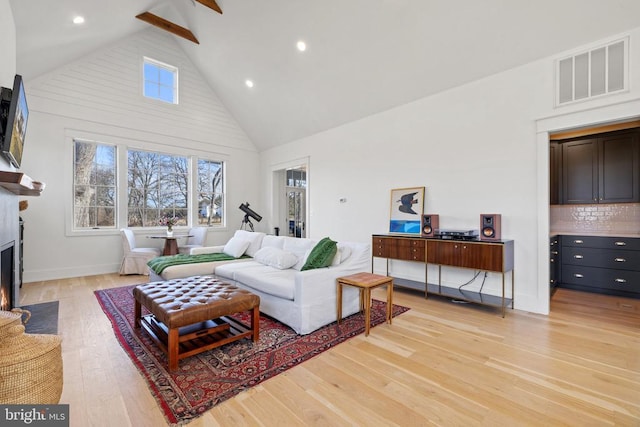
(303, 300)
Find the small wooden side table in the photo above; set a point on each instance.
(170, 242)
(365, 282)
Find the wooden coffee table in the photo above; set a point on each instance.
(365, 282)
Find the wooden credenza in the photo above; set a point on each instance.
(478, 255)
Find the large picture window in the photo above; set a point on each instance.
(94, 185)
(157, 187)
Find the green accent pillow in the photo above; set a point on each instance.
(321, 255)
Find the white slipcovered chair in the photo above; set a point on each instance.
(197, 240)
(135, 259)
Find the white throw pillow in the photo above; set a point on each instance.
(274, 257)
(254, 239)
(300, 247)
(236, 247)
(302, 260)
(342, 254)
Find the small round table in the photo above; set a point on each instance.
(365, 282)
(170, 242)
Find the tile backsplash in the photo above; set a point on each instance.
(617, 218)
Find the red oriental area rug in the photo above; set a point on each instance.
(204, 380)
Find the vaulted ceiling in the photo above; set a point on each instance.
(362, 57)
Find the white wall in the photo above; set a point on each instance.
(7, 44)
(476, 150)
(99, 97)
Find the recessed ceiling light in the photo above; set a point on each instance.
(249, 83)
(302, 46)
(78, 20)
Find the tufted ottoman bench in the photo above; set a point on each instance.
(188, 315)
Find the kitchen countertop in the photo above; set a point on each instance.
(594, 233)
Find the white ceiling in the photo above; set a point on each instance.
(363, 56)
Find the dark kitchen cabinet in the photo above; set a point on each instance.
(580, 171)
(554, 263)
(619, 168)
(555, 163)
(609, 265)
(602, 169)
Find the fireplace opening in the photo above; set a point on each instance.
(8, 292)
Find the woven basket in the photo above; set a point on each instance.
(12, 318)
(30, 367)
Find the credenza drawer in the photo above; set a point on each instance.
(603, 278)
(399, 248)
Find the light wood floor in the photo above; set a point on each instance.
(438, 364)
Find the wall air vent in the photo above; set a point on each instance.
(592, 73)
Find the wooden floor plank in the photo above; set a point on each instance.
(438, 364)
(301, 404)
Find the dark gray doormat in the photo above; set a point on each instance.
(44, 318)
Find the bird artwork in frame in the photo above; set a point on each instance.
(407, 206)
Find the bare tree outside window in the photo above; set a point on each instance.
(94, 203)
(157, 187)
(210, 193)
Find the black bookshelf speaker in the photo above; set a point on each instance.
(430, 223)
(490, 228)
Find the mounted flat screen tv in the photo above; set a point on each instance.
(13, 120)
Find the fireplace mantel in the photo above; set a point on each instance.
(20, 184)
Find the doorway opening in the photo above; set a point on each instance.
(590, 195)
(290, 199)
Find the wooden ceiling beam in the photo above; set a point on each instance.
(169, 26)
(211, 4)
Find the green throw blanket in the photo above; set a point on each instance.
(160, 263)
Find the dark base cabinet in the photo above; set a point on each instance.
(607, 265)
(554, 263)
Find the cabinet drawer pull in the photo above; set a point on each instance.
(578, 275)
(552, 260)
(619, 260)
(621, 281)
(620, 244)
(554, 252)
(578, 256)
(578, 242)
